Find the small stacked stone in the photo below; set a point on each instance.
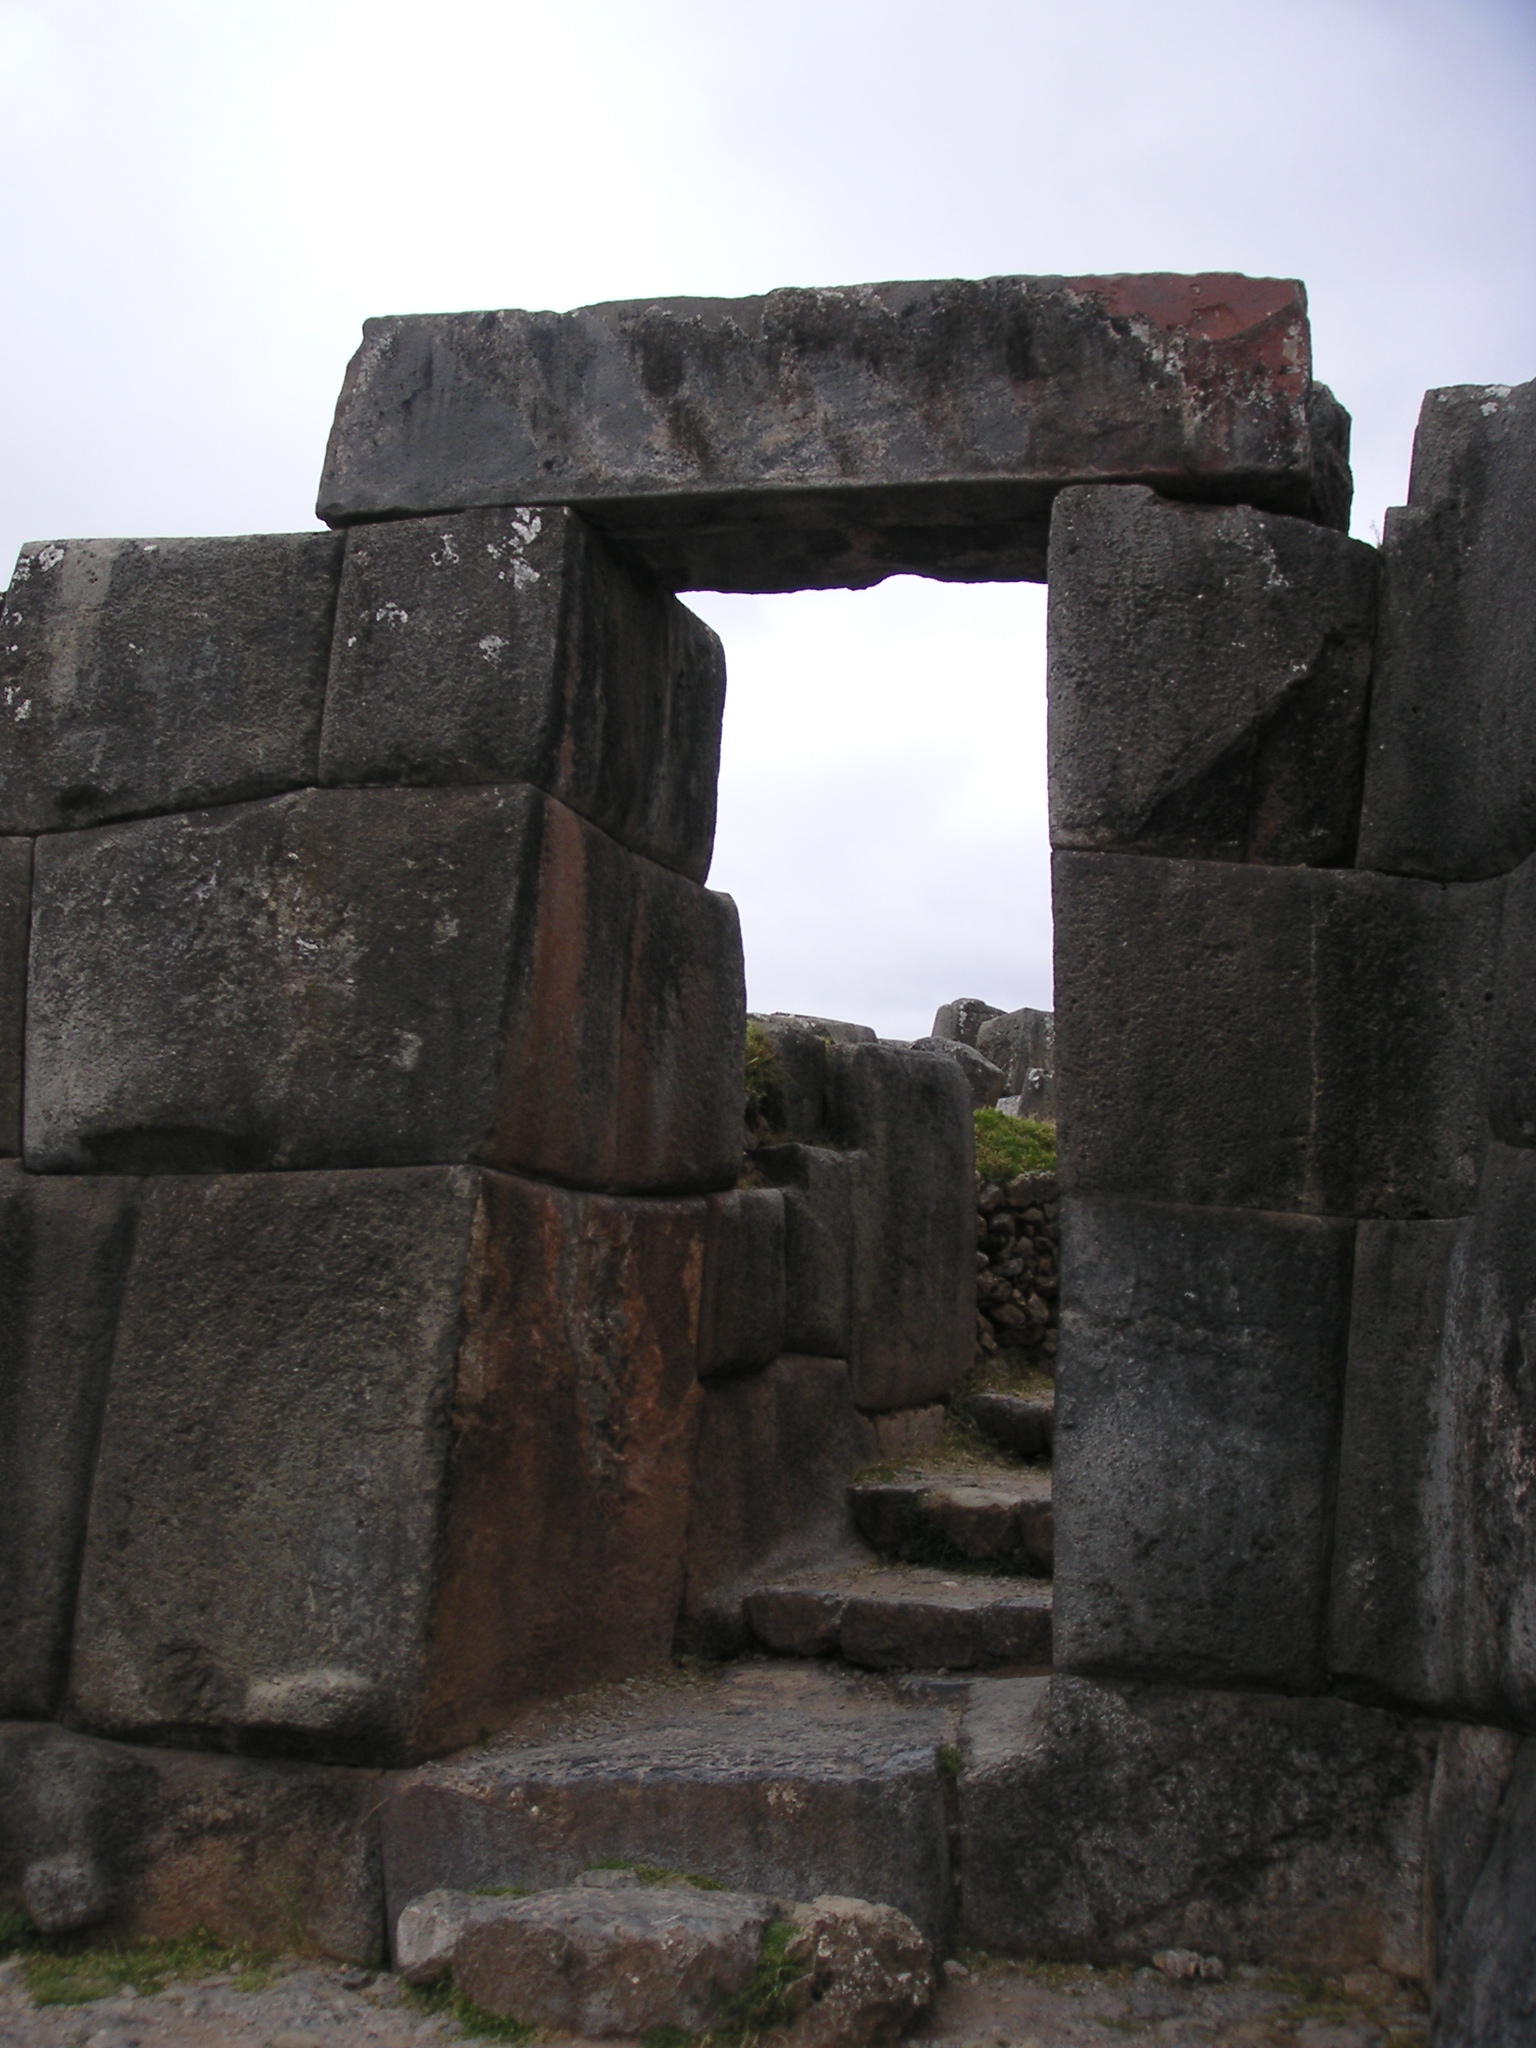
(1018, 1241)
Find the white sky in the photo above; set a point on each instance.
(206, 197)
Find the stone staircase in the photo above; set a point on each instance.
(958, 1576)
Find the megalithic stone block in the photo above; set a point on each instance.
(513, 645)
(156, 675)
(1511, 1080)
(1487, 1991)
(814, 438)
(1381, 1614)
(159, 1844)
(1023, 1044)
(385, 1456)
(1448, 786)
(382, 977)
(1435, 1592)
(15, 911)
(1208, 677)
(1274, 1038)
(1108, 1821)
(64, 1248)
(741, 1322)
(822, 1188)
(914, 1239)
(776, 1453)
(1197, 1403)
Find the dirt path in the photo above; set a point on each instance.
(305, 2005)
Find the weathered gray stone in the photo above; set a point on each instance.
(1104, 1822)
(914, 1263)
(794, 1091)
(821, 1189)
(385, 1455)
(1472, 1771)
(1486, 1996)
(15, 911)
(741, 1317)
(909, 1432)
(381, 978)
(513, 645)
(785, 1780)
(1197, 1402)
(160, 675)
(1473, 1653)
(64, 1248)
(427, 1932)
(816, 438)
(905, 1618)
(1511, 1080)
(1275, 1038)
(1382, 1542)
(162, 1844)
(1023, 1044)
(1448, 788)
(963, 1018)
(1025, 1425)
(1001, 1622)
(622, 1961)
(984, 1080)
(1208, 679)
(924, 1516)
(866, 1974)
(770, 1492)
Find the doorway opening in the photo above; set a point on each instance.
(882, 821)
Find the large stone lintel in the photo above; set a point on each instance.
(816, 438)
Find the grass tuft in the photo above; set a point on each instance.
(1008, 1145)
(442, 2000)
(657, 1873)
(75, 1969)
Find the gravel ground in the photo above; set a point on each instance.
(307, 2005)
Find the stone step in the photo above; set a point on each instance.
(906, 1618)
(928, 1517)
(1022, 1423)
(790, 1779)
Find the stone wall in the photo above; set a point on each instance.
(1018, 1253)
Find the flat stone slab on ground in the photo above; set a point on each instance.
(905, 1617)
(1021, 1423)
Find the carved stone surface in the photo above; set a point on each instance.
(1208, 676)
(386, 1454)
(1486, 1996)
(513, 645)
(593, 1960)
(914, 1228)
(1197, 1398)
(64, 1248)
(1278, 1038)
(1448, 787)
(158, 1843)
(833, 437)
(155, 675)
(821, 1187)
(1103, 1822)
(381, 977)
(15, 909)
(1474, 1536)
(1382, 1561)
(789, 1781)
(741, 1322)
(776, 1453)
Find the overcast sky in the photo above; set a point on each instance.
(205, 198)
